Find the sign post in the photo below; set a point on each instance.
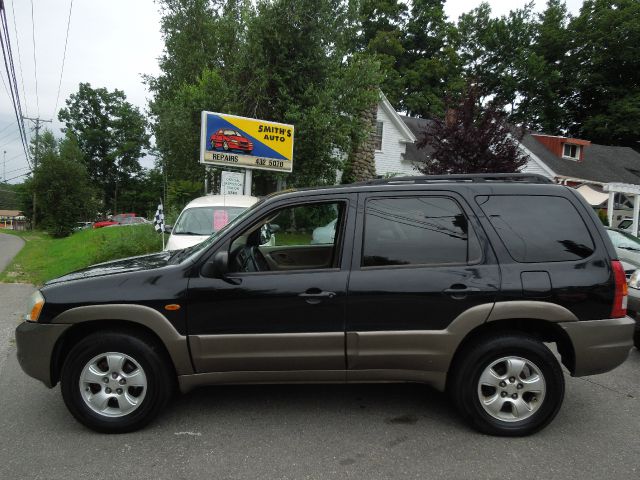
(248, 143)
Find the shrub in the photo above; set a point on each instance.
(121, 242)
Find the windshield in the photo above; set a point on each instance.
(231, 132)
(191, 252)
(624, 240)
(205, 220)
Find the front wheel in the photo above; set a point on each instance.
(510, 385)
(114, 382)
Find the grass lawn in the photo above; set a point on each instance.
(286, 238)
(43, 257)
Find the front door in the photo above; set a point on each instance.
(281, 307)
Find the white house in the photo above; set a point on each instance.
(393, 137)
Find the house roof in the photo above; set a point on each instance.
(414, 154)
(10, 213)
(407, 134)
(602, 163)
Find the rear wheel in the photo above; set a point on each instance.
(636, 335)
(510, 385)
(114, 382)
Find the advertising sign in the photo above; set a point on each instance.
(231, 183)
(228, 140)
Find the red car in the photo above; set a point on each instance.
(228, 139)
(115, 220)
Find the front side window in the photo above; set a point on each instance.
(417, 231)
(300, 237)
(537, 228)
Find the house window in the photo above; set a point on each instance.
(571, 151)
(377, 136)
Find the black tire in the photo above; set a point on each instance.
(636, 335)
(475, 359)
(150, 357)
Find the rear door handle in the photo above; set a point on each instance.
(314, 296)
(460, 291)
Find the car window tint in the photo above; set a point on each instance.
(313, 224)
(417, 231)
(300, 237)
(537, 228)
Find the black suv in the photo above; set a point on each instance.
(455, 281)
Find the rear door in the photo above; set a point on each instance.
(420, 260)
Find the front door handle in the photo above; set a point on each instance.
(313, 296)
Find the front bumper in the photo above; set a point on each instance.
(599, 345)
(35, 343)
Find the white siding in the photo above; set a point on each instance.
(533, 167)
(390, 160)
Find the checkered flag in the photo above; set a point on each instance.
(158, 221)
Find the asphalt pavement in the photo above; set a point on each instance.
(313, 431)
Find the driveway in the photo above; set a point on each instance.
(10, 245)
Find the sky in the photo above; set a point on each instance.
(111, 44)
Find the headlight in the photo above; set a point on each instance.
(36, 302)
(634, 280)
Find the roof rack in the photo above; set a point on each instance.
(470, 177)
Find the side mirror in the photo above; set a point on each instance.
(168, 228)
(274, 227)
(217, 266)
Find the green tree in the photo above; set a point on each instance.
(431, 66)
(382, 32)
(496, 53)
(604, 63)
(62, 186)
(111, 133)
(199, 71)
(301, 72)
(546, 85)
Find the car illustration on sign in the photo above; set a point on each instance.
(228, 140)
(240, 142)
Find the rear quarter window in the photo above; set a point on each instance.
(536, 228)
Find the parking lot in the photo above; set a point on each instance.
(313, 431)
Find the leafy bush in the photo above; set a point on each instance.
(122, 242)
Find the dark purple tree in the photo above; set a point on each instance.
(471, 139)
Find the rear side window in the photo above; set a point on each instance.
(417, 231)
(538, 228)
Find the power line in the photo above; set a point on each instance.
(5, 87)
(18, 169)
(7, 55)
(35, 63)
(13, 178)
(11, 124)
(15, 31)
(9, 135)
(64, 56)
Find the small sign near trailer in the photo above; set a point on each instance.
(228, 140)
(231, 183)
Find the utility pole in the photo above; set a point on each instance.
(37, 125)
(4, 166)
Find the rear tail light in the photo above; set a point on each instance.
(620, 298)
